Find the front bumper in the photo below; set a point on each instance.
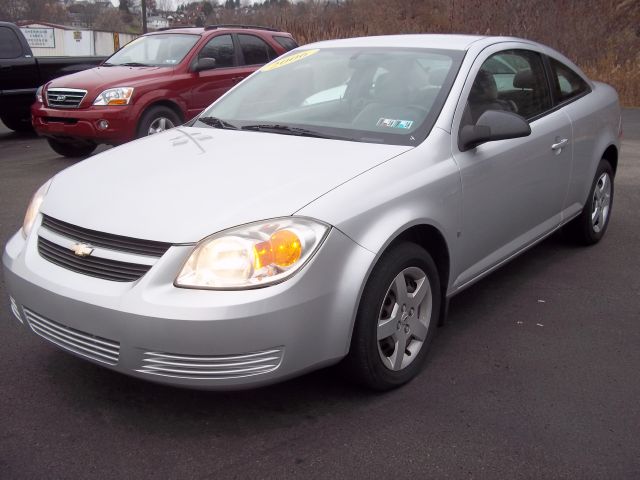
(197, 338)
(82, 123)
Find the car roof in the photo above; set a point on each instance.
(436, 41)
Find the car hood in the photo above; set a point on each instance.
(100, 78)
(187, 183)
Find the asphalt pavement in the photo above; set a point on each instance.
(536, 374)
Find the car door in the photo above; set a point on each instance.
(18, 72)
(209, 85)
(513, 190)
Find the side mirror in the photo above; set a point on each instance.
(204, 63)
(491, 126)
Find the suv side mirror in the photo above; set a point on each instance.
(204, 63)
(491, 126)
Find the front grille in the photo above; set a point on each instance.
(91, 346)
(65, 97)
(197, 367)
(93, 266)
(106, 240)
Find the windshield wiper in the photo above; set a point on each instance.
(287, 130)
(217, 123)
(134, 64)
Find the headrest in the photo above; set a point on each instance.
(524, 79)
(484, 87)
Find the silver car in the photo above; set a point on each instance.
(325, 209)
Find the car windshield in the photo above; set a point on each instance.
(163, 50)
(376, 95)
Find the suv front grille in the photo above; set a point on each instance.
(65, 97)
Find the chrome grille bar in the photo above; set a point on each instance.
(90, 346)
(65, 97)
(197, 367)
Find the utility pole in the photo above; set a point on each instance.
(143, 4)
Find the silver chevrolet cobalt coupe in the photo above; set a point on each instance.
(325, 209)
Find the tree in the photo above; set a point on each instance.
(111, 21)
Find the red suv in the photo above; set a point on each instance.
(156, 82)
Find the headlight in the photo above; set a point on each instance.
(39, 94)
(34, 208)
(253, 255)
(115, 96)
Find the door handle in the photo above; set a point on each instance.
(560, 144)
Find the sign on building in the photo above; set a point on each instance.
(40, 37)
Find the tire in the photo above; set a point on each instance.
(373, 359)
(590, 226)
(157, 119)
(72, 149)
(21, 125)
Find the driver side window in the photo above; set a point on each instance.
(221, 49)
(512, 81)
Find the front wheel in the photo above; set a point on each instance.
(72, 149)
(157, 119)
(590, 226)
(396, 320)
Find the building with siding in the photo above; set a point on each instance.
(49, 39)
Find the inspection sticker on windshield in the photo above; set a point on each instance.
(391, 123)
(288, 60)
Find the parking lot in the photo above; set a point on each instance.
(536, 374)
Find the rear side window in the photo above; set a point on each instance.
(286, 42)
(220, 48)
(255, 50)
(568, 84)
(9, 44)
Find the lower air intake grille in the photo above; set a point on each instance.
(93, 266)
(198, 367)
(84, 344)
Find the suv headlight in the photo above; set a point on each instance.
(34, 208)
(253, 255)
(115, 96)
(39, 94)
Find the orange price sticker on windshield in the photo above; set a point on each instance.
(281, 62)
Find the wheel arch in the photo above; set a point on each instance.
(611, 156)
(427, 236)
(163, 103)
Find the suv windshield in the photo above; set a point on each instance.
(154, 50)
(377, 95)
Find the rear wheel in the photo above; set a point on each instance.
(71, 149)
(590, 226)
(157, 119)
(396, 320)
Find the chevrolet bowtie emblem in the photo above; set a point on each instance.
(81, 249)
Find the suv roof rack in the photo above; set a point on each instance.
(232, 25)
(175, 27)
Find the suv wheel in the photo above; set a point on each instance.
(157, 119)
(71, 149)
